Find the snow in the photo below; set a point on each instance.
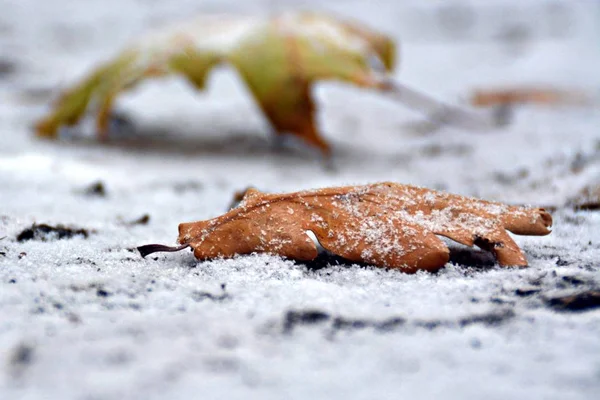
(90, 319)
(219, 34)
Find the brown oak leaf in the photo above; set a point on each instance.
(383, 224)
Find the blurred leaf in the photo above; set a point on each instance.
(279, 59)
(547, 96)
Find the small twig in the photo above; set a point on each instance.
(440, 113)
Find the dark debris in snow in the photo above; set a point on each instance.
(46, 232)
(584, 301)
(295, 318)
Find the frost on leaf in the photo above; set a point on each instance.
(383, 224)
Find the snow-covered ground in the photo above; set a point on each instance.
(87, 318)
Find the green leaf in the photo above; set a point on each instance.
(279, 59)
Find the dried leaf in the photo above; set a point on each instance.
(279, 59)
(384, 224)
(527, 95)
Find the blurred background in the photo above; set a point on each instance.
(448, 49)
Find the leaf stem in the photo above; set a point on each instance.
(154, 248)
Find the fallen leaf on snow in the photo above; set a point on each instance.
(384, 224)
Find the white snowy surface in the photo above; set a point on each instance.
(90, 319)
